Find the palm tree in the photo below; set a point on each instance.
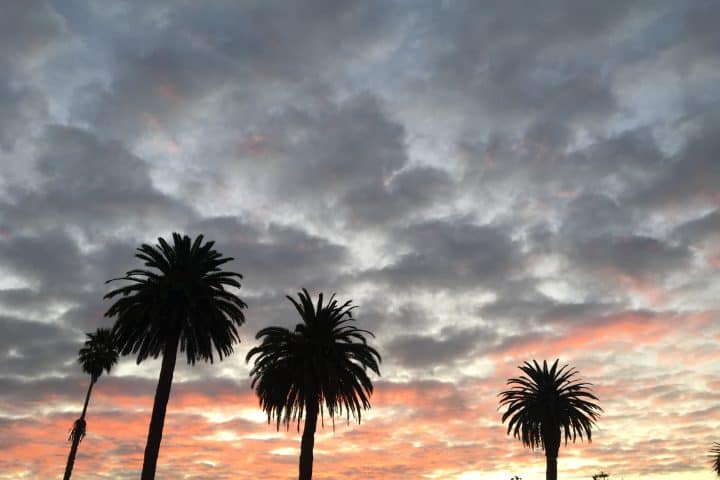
(715, 452)
(183, 302)
(97, 355)
(546, 404)
(322, 364)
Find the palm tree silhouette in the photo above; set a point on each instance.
(184, 303)
(546, 404)
(97, 355)
(715, 453)
(322, 364)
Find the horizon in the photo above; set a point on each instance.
(489, 182)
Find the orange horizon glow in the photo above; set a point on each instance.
(416, 429)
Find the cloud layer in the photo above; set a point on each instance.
(491, 182)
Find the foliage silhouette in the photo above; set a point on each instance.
(715, 453)
(97, 355)
(547, 404)
(321, 365)
(182, 302)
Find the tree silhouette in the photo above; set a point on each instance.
(182, 302)
(715, 453)
(321, 365)
(547, 404)
(97, 355)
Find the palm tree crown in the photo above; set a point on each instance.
(323, 363)
(98, 354)
(183, 302)
(187, 297)
(546, 404)
(324, 359)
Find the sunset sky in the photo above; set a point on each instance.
(490, 182)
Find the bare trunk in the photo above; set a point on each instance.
(76, 436)
(157, 421)
(308, 440)
(551, 441)
(551, 470)
(71, 457)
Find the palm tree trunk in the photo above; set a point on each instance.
(157, 421)
(551, 470)
(308, 440)
(76, 437)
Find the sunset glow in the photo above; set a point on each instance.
(489, 182)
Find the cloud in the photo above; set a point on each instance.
(451, 253)
(634, 255)
(276, 257)
(90, 184)
(19, 108)
(28, 28)
(692, 175)
(700, 229)
(447, 347)
(33, 349)
(490, 183)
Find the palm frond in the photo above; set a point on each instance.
(548, 404)
(77, 432)
(715, 454)
(98, 353)
(325, 359)
(182, 292)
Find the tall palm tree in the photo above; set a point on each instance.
(546, 404)
(322, 364)
(97, 355)
(183, 302)
(715, 453)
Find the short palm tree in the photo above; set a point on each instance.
(547, 404)
(98, 355)
(715, 453)
(183, 302)
(322, 364)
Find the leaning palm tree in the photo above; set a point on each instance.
(715, 453)
(322, 364)
(97, 355)
(547, 404)
(183, 302)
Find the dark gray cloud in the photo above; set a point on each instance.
(693, 172)
(597, 233)
(700, 229)
(409, 192)
(449, 346)
(20, 107)
(276, 257)
(34, 349)
(89, 184)
(527, 309)
(330, 154)
(636, 255)
(451, 253)
(249, 53)
(594, 215)
(28, 28)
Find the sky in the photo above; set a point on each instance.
(489, 182)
